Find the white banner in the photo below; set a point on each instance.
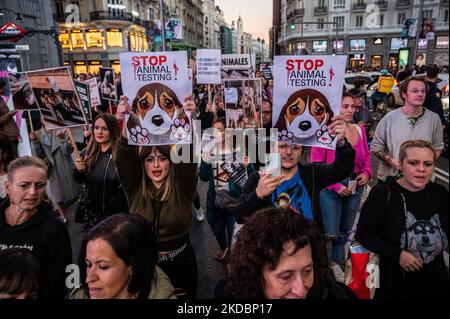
(238, 66)
(156, 84)
(307, 95)
(208, 66)
(93, 91)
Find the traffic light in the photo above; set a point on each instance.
(293, 26)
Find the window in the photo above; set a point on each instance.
(358, 21)
(442, 42)
(320, 25)
(401, 17)
(321, 3)
(358, 45)
(446, 16)
(381, 20)
(77, 39)
(114, 38)
(427, 14)
(339, 21)
(339, 3)
(94, 39)
(319, 46)
(64, 40)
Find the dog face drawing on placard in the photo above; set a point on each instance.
(305, 113)
(158, 106)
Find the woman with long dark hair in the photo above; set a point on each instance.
(163, 193)
(97, 170)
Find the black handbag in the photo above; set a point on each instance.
(84, 214)
(225, 201)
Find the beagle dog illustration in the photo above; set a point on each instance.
(155, 109)
(305, 113)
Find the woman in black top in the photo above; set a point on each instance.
(405, 221)
(97, 170)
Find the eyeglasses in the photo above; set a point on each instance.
(296, 149)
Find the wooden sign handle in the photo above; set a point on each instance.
(30, 121)
(74, 143)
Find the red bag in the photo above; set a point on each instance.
(359, 267)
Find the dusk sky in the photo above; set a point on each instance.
(256, 14)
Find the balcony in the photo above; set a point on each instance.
(360, 6)
(123, 16)
(320, 10)
(382, 4)
(402, 3)
(296, 13)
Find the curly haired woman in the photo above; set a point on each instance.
(280, 255)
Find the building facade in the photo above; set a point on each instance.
(94, 33)
(209, 18)
(39, 49)
(242, 41)
(368, 31)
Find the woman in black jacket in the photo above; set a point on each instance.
(97, 170)
(27, 221)
(405, 221)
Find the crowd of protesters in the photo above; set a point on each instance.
(136, 206)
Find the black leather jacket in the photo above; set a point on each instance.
(105, 191)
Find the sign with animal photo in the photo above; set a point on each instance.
(307, 95)
(243, 103)
(21, 92)
(108, 88)
(94, 92)
(156, 84)
(57, 98)
(238, 66)
(237, 172)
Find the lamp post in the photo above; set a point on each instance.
(163, 24)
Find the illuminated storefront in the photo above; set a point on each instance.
(77, 39)
(115, 65)
(91, 46)
(80, 67)
(114, 38)
(94, 39)
(94, 67)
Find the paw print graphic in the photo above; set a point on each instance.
(323, 137)
(285, 136)
(139, 135)
(179, 129)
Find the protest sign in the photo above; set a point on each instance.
(237, 172)
(307, 94)
(156, 84)
(108, 89)
(208, 67)
(21, 92)
(238, 66)
(243, 103)
(83, 94)
(267, 72)
(56, 97)
(94, 92)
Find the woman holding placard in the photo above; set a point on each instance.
(163, 193)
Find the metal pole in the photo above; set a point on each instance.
(163, 24)
(418, 30)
